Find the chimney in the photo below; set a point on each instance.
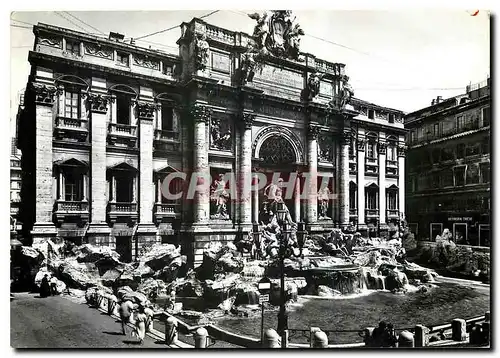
(433, 102)
(439, 99)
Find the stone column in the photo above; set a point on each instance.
(44, 200)
(98, 104)
(158, 191)
(344, 180)
(113, 188)
(61, 184)
(361, 184)
(85, 189)
(134, 189)
(255, 195)
(297, 199)
(312, 180)
(381, 187)
(146, 112)
(245, 169)
(401, 175)
(201, 208)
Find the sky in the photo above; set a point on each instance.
(401, 58)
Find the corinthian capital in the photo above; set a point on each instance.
(201, 113)
(44, 94)
(98, 102)
(146, 110)
(247, 120)
(346, 138)
(312, 132)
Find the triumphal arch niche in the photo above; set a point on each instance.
(282, 112)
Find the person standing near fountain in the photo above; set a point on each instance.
(125, 311)
(140, 324)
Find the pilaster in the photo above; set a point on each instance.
(344, 179)
(382, 194)
(361, 183)
(245, 168)
(401, 176)
(312, 185)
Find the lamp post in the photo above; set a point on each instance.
(286, 251)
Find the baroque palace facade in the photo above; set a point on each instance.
(105, 122)
(448, 171)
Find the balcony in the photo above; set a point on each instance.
(391, 172)
(122, 134)
(64, 209)
(392, 214)
(391, 163)
(352, 158)
(371, 213)
(166, 211)
(165, 141)
(73, 129)
(353, 213)
(122, 211)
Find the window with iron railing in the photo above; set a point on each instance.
(167, 118)
(73, 187)
(123, 109)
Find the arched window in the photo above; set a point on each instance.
(277, 150)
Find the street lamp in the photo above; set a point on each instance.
(286, 251)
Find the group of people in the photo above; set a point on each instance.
(142, 320)
(48, 287)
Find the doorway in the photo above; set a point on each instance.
(460, 234)
(124, 248)
(436, 229)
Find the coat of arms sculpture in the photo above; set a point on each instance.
(276, 34)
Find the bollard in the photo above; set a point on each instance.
(367, 337)
(458, 330)
(476, 334)
(486, 332)
(200, 338)
(312, 331)
(271, 339)
(487, 316)
(320, 340)
(406, 340)
(421, 336)
(171, 330)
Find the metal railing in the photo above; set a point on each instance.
(166, 208)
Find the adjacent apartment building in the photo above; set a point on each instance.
(105, 121)
(448, 171)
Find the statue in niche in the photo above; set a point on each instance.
(219, 197)
(274, 195)
(313, 84)
(201, 51)
(346, 94)
(220, 133)
(323, 203)
(325, 147)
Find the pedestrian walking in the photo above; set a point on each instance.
(125, 311)
(45, 287)
(140, 324)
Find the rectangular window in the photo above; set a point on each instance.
(73, 47)
(352, 199)
(485, 145)
(71, 104)
(15, 185)
(460, 123)
(392, 200)
(391, 118)
(413, 136)
(447, 177)
(436, 229)
(485, 172)
(436, 129)
(391, 153)
(460, 151)
(472, 149)
(371, 200)
(486, 116)
(371, 150)
(72, 187)
(459, 176)
(123, 107)
(167, 118)
(123, 58)
(124, 189)
(371, 114)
